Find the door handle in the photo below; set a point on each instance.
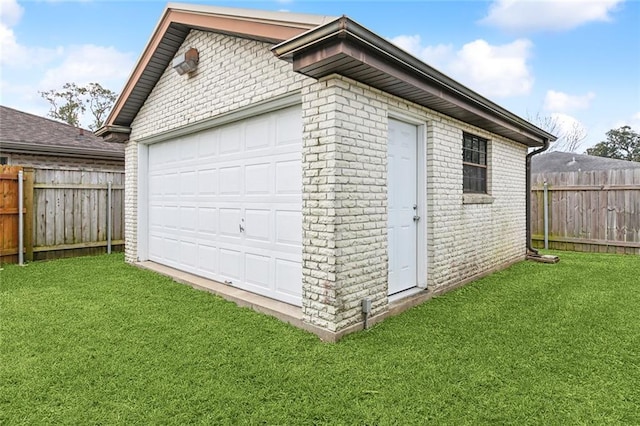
(416, 218)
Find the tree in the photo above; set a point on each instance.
(66, 104)
(71, 102)
(100, 101)
(570, 135)
(622, 143)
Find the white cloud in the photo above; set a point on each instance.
(10, 12)
(548, 15)
(89, 63)
(14, 54)
(563, 102)
(28, 69)
(493, 70)
(566, 122)
(570, 131)
(633, 121)
(437, 56)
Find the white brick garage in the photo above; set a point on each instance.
(324, 238)
(225, 204)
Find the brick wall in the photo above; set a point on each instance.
(232, 73)
(344, 176)
(344, 207)
(344, 214)
(131, 202)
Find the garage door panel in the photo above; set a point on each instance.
(208, 258)
(229, 222)
(170, 184)
(288, 177)
(164, 154)
(156, 247)
(257, 270)
(257, 179)
(207, 182)
(204, 187)
(188, 218)
(207, 220)
(289, 127)
(230, 264)
(289, 227)
(188, 147)
(188, 253)
(188, 183)
(171, 249)
(288, 277)
(257, 225)
(230, 180)
(155, 215)
(230, 139)
(207, 145)
(170, 214)
(258, 133)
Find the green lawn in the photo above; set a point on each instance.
(92, 340)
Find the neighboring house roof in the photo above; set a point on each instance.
(553, 162)
(317, 46)
(21, 132)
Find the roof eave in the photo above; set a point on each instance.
(347, 48)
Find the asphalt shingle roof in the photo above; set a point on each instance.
(32, 130)
(569, 162)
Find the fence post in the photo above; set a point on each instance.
(545, 202)
(20, 218)
(29, 213)
(109, 217)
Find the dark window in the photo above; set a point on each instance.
(4, 161)
(474, 164)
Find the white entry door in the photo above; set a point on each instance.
(226, 204)
(402, 195)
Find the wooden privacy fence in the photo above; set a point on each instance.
(66, 213)
(596, 211)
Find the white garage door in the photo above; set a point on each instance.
(226, 203)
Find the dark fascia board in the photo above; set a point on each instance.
(309, 46)
(60, 151)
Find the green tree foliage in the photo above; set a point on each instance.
(72, 101)
(622, 143)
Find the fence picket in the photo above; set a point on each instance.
(589, 211)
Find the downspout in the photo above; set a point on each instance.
(531, 252)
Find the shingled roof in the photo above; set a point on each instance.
(553, 162)
(21, 132)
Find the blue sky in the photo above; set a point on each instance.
(578, 61)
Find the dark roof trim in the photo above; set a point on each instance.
(345, 47)
(114, 133)
(61, 151)
(172, 29)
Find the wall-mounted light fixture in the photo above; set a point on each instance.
(186, 62)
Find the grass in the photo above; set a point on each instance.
(92, 340)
